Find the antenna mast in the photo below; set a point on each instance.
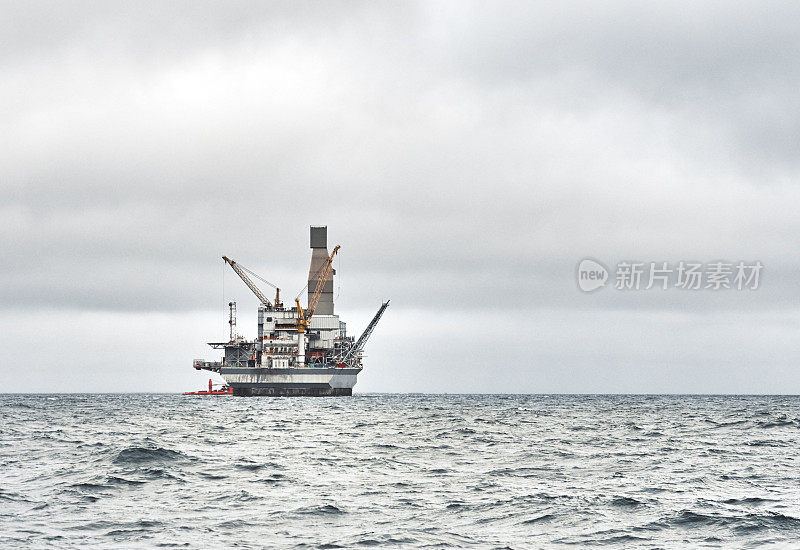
(232, 319)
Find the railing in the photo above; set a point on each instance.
(200, 364)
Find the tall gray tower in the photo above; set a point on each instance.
(319, 254)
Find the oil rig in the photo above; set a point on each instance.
(298, 351)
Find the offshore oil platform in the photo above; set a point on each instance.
(298, 351)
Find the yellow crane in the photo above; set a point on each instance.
(304, 317)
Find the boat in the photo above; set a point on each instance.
(223, 390)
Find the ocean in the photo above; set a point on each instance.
(411, 471)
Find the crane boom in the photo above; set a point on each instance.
(362, 340)
(250, 284)
(304, 317)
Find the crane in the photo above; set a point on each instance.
(278, 302)
(250, 284)
(304, 317)
(353, 352)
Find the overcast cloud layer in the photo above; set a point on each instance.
(465, 155)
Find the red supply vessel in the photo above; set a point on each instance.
(224, 390)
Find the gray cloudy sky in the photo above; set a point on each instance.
(465, 155)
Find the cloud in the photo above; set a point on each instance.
(464, 155)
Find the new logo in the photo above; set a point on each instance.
(591, 275)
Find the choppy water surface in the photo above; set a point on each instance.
(412, 471)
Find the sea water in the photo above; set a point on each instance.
(412, 471)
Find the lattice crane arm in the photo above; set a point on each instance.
(326, 269)
(362, 341)
(304, 317)
(250, 284)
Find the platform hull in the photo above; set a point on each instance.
(291, 392)
(306, 381)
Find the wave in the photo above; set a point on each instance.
(212, 477)
(12, 496)
(748, 500)
(776, 519)
(135, 529)
(234, 524)
(627, 538)
(322, 510)
(538, 519)
(525, 471)
(250, 466)
(116, 480)
(748, 522)
(727, 424)
(89, 486)
(136, 455)
(626, 501)
(273, 479)
(768, 443)
(780, 423)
